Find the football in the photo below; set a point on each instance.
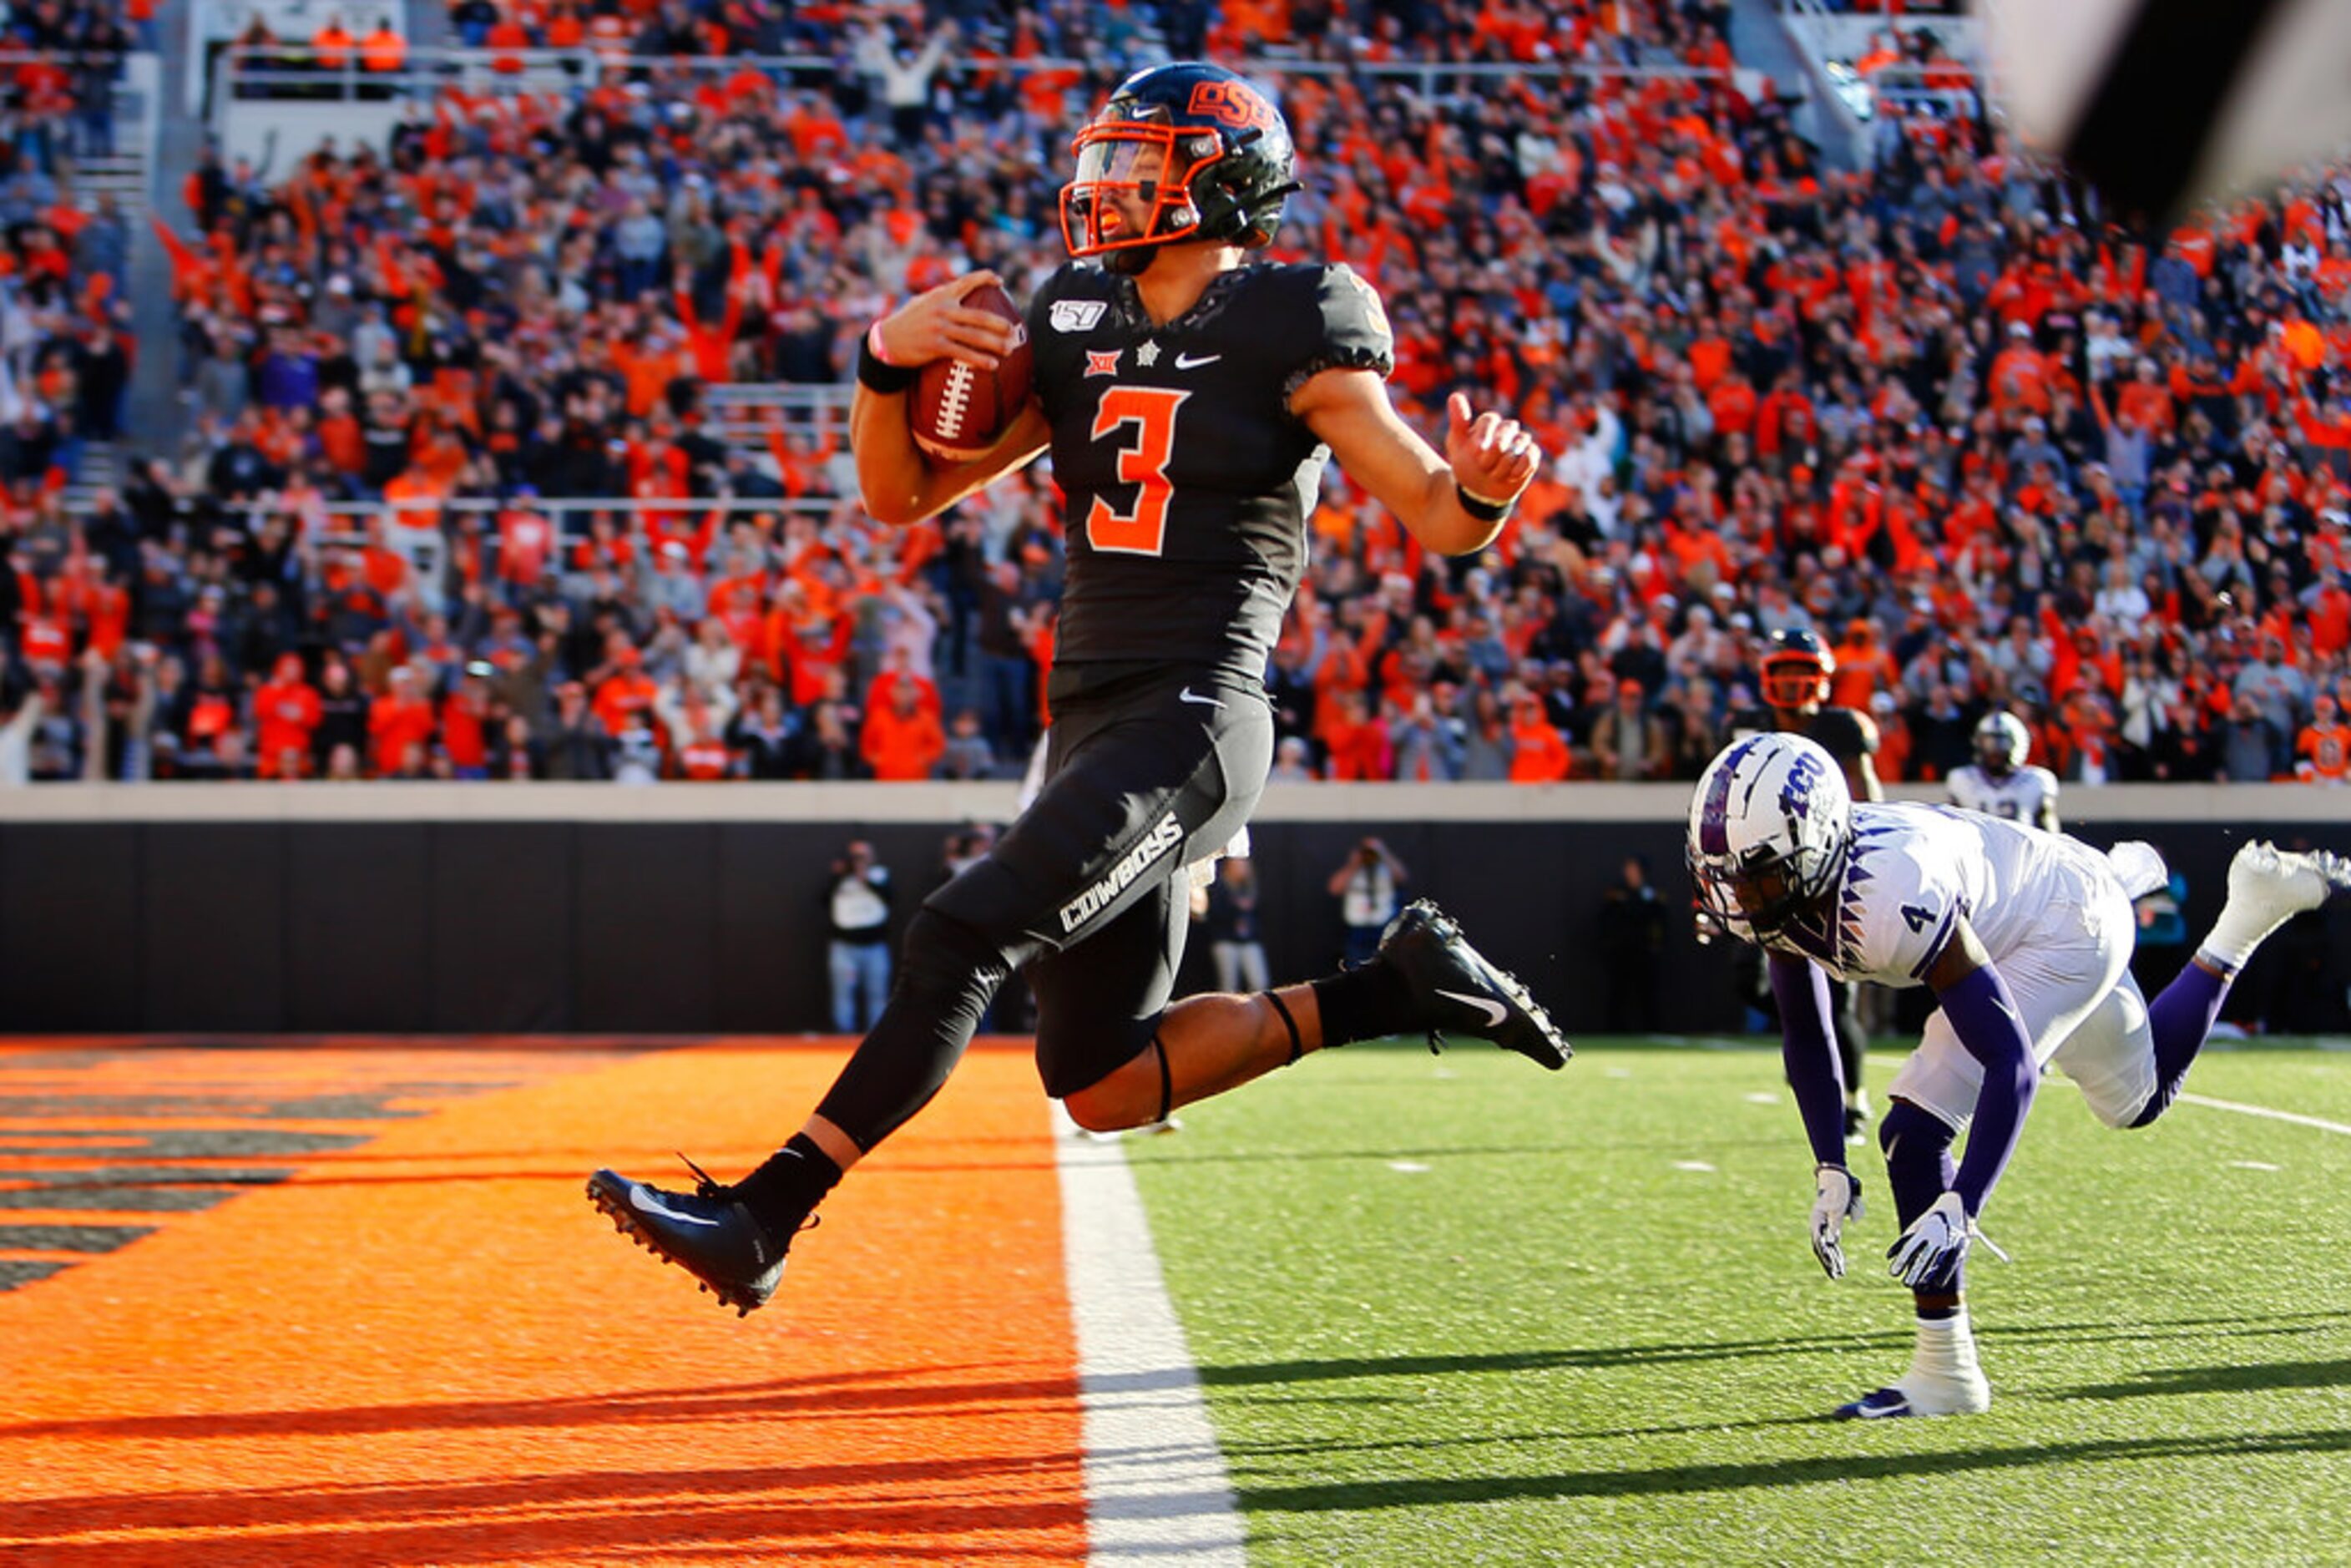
(959, 409)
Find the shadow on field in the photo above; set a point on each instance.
(2238, 1325)
(1535, 1360)
(1446, 1151)
(737, 1515)
(1847, 1467)
(2222, 1379)
(974, 1390)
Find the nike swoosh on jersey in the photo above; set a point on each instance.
(642, 1199)
(1189, 695)
(1194, 361)
(1495, 1012)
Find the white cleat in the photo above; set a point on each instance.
(2278, 885)
(1945, 1377)
(1921, 1393)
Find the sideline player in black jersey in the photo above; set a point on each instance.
(1189, 400)
(1794, 674)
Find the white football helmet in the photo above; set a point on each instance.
(1769, 832)
(2002, 743)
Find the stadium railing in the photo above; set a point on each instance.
(292, 68)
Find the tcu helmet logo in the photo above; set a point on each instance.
(1796, 793)
(1233, 103)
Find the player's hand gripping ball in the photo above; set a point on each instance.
(960, 404)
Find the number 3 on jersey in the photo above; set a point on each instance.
(1142, 463)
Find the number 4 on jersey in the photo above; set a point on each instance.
(1142, 463)
(1918, 919)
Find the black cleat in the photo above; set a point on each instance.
(1459, 992)
(706, 1232)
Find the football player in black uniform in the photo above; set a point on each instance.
(1190, 400)
(1794, 674)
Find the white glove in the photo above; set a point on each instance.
(1836, 1198)
(1935, 1242)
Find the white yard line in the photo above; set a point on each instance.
(1155, 1483)
(2298, 1119)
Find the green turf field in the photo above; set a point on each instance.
(1456, 1309)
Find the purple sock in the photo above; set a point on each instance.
(2181, 1019)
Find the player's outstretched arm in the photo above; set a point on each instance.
(1808, 1050)
(1861, 768)
(898, 483)
(1453, 502)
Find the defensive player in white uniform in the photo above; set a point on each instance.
(2024, 936)
(1997, 783)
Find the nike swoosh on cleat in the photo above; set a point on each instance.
(1189, 695)
(1862, 1409)
(641, 1198)
(1495, 1011)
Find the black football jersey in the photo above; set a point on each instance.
(1189, 479)
(1844, 733)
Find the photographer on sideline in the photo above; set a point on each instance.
(1369, 888)
(858, 957)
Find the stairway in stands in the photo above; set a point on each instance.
(122, 176)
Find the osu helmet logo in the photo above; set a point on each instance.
(1233, 103)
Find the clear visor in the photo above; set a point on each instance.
(1111, 158)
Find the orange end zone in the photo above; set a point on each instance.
(426, 1347)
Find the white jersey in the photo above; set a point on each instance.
(2019, 797)
(1914, 870)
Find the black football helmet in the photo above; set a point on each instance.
(1207, 154)
(1796, 669)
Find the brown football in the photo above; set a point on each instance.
(958, 409)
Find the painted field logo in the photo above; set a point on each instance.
(1120, 877)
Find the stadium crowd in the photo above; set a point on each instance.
(1994, 453)
(66, 353)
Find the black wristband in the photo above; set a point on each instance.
(877, 377)
(1484, 511)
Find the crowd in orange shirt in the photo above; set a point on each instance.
(1993, 452)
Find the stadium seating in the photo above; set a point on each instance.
(1995, 453)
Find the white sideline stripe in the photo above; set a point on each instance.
(1156, 1490)
(2297, 1118)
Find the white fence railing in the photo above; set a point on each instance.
(742, 412)
(294, 68)
(283, 99)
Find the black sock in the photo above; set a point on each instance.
(791, 1182)
(1364, 1004)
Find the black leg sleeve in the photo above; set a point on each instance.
(945, 978)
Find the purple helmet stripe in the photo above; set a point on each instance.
(1714, 816)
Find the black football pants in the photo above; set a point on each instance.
(1086, 889)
